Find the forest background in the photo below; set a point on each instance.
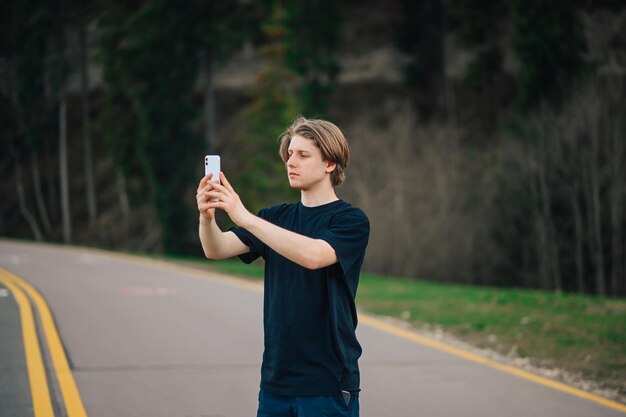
(488, 137)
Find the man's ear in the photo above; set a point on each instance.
(330, 166)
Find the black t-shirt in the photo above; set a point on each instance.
(309, 315)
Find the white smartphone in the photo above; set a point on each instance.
(212, 165)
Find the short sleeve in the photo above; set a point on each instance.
(348, 234)
(257, 247)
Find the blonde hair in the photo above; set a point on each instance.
(327, 137)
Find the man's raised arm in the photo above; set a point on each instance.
(303, 250)
(215, 243)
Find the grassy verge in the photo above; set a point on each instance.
(580, 334)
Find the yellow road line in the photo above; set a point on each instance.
(40, 393)
(408, 335)
(71, 397)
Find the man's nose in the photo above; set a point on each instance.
(291, 161)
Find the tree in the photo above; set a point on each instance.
(549, 43)
(274, 104)
(225, 28)
(566, 196)
(479, 29)
(90, 187)
(31, 26)
(311, 34)
(151, 54)
(421, 36)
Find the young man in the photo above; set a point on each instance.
(313, 252)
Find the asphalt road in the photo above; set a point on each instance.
(143, 339)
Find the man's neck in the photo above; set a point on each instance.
(318, 197)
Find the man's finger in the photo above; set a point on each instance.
(208, 177)
(216, 205)
(204, 180)
(218, 187)
(225, 182)
(212, 194)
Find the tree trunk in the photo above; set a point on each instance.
(90, 189)
(206, 69)
(531, 162)
(548, 252)
(51, 184)
(592, 197)
(617, 208)
(398, 204)
(597, 214)
(39, 195)
(30, 219)
(578, 243)
(552, 158)
(122, 195)
(446, 90)
(2, 227)
(66, 217)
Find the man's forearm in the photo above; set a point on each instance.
(211, 237)
(303, 250)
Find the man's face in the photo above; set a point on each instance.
(305, 166)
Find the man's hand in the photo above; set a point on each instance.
(202, 199)
(215, 243)
(229, 201)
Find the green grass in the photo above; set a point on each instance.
(581, 334)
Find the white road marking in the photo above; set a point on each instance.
(13, 259)
(4, 292)
(89, 259)
(152, 291)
